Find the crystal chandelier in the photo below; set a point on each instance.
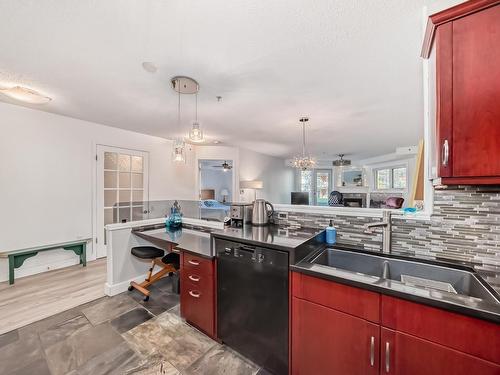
(304, 161)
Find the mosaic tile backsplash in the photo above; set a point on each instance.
(465, 226)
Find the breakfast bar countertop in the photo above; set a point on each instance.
(190, 239)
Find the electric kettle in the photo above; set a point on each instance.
(260, 212)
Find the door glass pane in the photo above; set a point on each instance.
(110, 179)
(137, 180)
(110, 160)
(306, 181)
(399, 178)
(110, 198)
(137, 164)
(383, 179)
(137, 196)
(124, 180)
(124, 196)
(322, 188)
(124, 163)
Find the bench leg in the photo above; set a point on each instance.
(80, 250)
(11, 269)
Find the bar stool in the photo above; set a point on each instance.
(169, 263)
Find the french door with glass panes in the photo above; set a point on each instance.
(318, 183)
(122, 189)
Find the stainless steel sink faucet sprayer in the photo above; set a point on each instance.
(386, 223)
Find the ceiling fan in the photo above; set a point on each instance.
(225, 166)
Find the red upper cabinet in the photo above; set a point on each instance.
(467, 42)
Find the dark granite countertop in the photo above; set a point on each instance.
(474, 307)
(271, 236)
(190, 239)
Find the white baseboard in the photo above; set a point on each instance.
(114, 289)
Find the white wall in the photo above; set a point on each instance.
(277, 178)
(47, 179)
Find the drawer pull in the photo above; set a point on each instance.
(387, 357)
(194, 278)
(194, 294)
(372, 351)
(445, 154)
(193, 262)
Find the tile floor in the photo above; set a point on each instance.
(119, 335)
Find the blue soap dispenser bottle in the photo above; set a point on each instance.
(331, 234)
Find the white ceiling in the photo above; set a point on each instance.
(352, 66)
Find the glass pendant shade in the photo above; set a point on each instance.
(196, 134)
(179, 151)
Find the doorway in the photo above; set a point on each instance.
(122, 191)
(318, 183)
(216, 180)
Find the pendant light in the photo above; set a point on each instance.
(304, 161)
(181, 85)
(179, 147)
(196, 134)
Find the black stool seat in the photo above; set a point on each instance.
(173, 259)
(147, 252)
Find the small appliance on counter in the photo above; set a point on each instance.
(240, 213)
(260, 214)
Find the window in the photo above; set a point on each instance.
(391, 178)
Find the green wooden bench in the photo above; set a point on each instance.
(17, 257)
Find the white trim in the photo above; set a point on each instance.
(114, 289)
(187, 220)
(347, 211)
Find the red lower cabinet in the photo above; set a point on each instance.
(334, 333)
(198, 292)
(326, 341)
(404, 354)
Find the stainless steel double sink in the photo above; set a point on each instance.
(405, 275)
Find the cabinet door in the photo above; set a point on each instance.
(403, 354)
(326, 341)
(476, 94)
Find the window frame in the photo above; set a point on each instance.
(391, 168)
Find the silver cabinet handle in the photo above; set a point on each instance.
(387, 357)
(372, 351)
(445, 154)
(194, 263)
(194, 294)
(194, 278)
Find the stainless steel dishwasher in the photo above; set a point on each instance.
(252, 302)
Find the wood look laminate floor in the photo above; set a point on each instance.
(36, 297)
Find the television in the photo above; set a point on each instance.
(300, 197)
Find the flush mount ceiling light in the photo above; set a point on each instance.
(149, 67)
(25, 95)
(304, 161)
(341, 162)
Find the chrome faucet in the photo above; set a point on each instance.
(386, 223)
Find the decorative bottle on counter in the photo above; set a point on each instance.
(331, 234)
(174, 221)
